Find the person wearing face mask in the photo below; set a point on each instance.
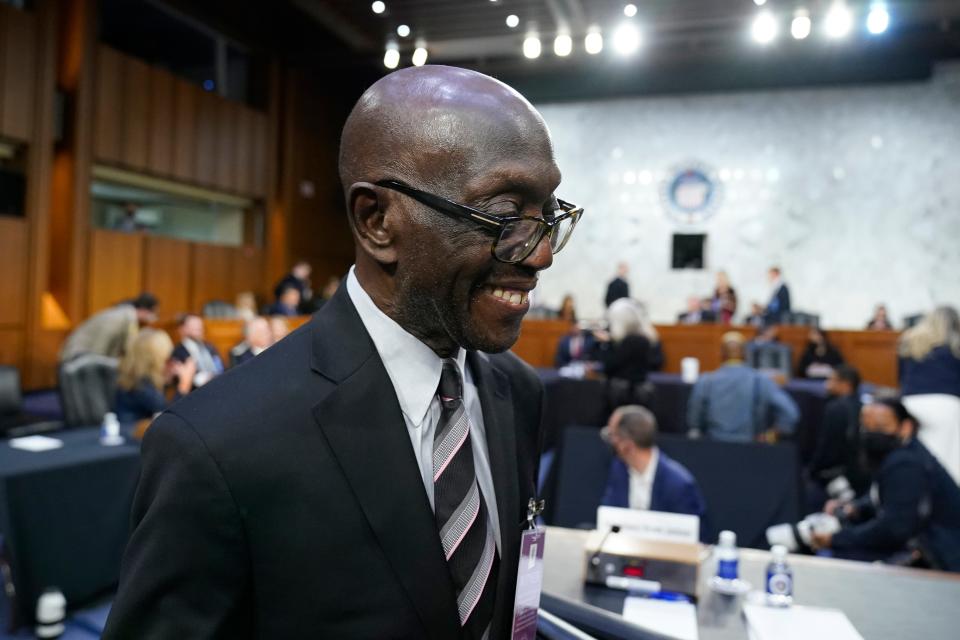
(913, 504)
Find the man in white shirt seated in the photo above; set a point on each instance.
(642, 476)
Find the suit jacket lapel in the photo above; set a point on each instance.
(498, 420)
(364, 427)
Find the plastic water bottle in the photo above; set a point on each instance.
(728, 557)
(779, 578)
(51, 613)
(110, 431)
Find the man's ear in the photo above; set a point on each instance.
(373, 227)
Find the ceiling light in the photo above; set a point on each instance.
(630, 10)
(391, 58)
(626, 39)
(420, 56)
(838, 21)
(759, 3)
(531, 47)
(593, 43)
(562, 45)
(403, 31)
(378, 7)
(800, 26)
(878, 19)
(764, 28)
(512, 21)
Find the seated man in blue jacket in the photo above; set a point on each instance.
(914, 503)
(642, 476)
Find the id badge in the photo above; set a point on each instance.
(529, 583)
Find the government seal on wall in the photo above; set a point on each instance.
(691, 193)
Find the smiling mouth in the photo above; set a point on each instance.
(511, 296)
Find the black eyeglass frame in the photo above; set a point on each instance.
(490, 220)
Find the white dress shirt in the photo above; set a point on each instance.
(414, 370)
(641, 484)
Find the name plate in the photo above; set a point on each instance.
(650, 525)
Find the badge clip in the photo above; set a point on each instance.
(534, 509)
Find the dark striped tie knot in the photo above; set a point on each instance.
(451, 387)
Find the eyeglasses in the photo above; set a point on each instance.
(517, 236)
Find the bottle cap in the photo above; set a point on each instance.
(779, 552)
(728, 539)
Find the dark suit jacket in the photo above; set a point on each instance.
(618, 288)
(918, 499)
(563, 356)
(283, 499)
(837, 451)
(778, 306)
(630, 359)
(674, 489)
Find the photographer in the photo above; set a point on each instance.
(913, 505)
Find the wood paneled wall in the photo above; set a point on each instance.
(167, 273)
(13, 285)
(17, 73)
(873, 353)
(183, 275)
(116, 268)
(150, 121)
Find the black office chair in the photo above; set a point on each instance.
(770, 356)
(580, 477)
(802, 318)
(13, 421)
(747, 486)
(88, 388)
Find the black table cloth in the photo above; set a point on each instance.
(65, 515)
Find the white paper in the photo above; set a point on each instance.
(36, 443)
(798, 623)
(650, 525)
(674, 619)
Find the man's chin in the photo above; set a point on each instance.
(493, 342)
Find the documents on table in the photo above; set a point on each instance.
(35, 443)
(798, 623)
(675, 619)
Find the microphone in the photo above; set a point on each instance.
(595, 558)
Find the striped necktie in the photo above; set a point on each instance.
(461, 512)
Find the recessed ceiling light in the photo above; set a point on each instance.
(563, 45)
(593, 43)
(839, 21)
(800, 25)
(626, 39)
(420, 56)
(878, 19)
(764, 28)
(403, 31)
(378, 7)
(531, 47)
(512, 21)
(630, 10)
(391, 58)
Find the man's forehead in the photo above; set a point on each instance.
(532, 176)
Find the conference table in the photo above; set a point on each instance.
(882, 602)
(65, 515)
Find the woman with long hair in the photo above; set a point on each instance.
(930, 383)
(630, 350)
(819, 357)
(145, 371)
(724, 301)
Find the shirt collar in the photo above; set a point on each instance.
(651, 469)
(413, 367)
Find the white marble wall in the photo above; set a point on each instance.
(854, 191)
